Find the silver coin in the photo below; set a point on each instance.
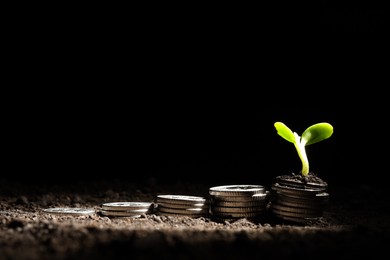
(319, 198)
(298, 198)
(183, 206)
(233, 204)
(183, 211)
(237, 190)
(123, 206)
(249, 198)
(136, 211)
(109, 213)
(236, 209)
(296, 219)
(287, 203)
(70, 211)
(294, 212)
(190, 215)
(286, 214)
(180, 199)
(237, 214)
(302, 203)
(295, 191)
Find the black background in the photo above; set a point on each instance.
(191, 93)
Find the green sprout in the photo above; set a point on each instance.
(311, 135)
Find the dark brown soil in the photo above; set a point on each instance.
(355, 225)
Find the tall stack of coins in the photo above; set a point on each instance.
(182, 205)
(238, 201)
(298, 201)
(126, 209)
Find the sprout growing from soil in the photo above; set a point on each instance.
(313, 134)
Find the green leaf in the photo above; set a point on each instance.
(284, 132)
(316, 133)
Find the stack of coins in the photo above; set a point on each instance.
(238, 201)
(182, 205)
(297, 201)
(126, 209)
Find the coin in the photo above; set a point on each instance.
(181, 199)
(249, 198)
(302, 203)
(296, 219)
(281, 211)
(123, 206)
(317, 198)
(183, 206)
(232, 204)
(70, 211)
(299, 205)
(238, 201)
(237, 214)
(190, 215)
(236, 209)
(297, 199)
(112, 213)
(183, 211)
(295, 191)
(237, 190)
(302, 211)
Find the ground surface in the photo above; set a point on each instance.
(354, 226)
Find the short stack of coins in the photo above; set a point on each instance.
(182, 205)
(298, 202)
(238, 201)
(126, 209)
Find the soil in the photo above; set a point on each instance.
(355, 225)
